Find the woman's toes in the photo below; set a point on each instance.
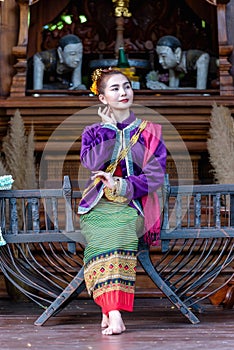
(116, 325)
(105, 321)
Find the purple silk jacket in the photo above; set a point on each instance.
(143, 168)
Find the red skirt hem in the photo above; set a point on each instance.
(115, 300)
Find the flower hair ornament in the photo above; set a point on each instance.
(95, 76)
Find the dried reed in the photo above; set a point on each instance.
(221, 144)
(18, 149)
(3, 170)
(30, 180)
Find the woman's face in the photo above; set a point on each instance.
(118, 93)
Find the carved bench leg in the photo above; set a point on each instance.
(146, 263)
(76, 286)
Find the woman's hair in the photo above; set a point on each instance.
(99, 78)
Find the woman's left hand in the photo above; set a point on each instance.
(106, 178)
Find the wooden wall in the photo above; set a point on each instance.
(59, 121)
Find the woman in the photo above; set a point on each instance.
(127, 158)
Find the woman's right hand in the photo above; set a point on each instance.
(105, 177)
(106, 115)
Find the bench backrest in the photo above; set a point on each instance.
(24, 214)
(197, 211)
(199, 208)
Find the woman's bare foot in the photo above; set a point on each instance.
(116, 325)
(105, 321)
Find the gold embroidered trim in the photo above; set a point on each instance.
(114, 267)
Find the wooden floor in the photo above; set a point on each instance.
(154, 324)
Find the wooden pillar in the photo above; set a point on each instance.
(8, 38)
(18, 86)
(121, 11)
(119, 36)
(225, 51)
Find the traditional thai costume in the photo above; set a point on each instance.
(112, 228)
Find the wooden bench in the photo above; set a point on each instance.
(43, 256)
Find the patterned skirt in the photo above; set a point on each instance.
(110, 254)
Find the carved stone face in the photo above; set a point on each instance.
(71, 55)
(167, 58)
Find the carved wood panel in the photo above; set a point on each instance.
(150, 20)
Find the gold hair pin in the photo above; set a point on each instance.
(95, 76)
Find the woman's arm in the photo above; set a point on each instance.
(150, 178)
(146, 181)
(97, 147)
